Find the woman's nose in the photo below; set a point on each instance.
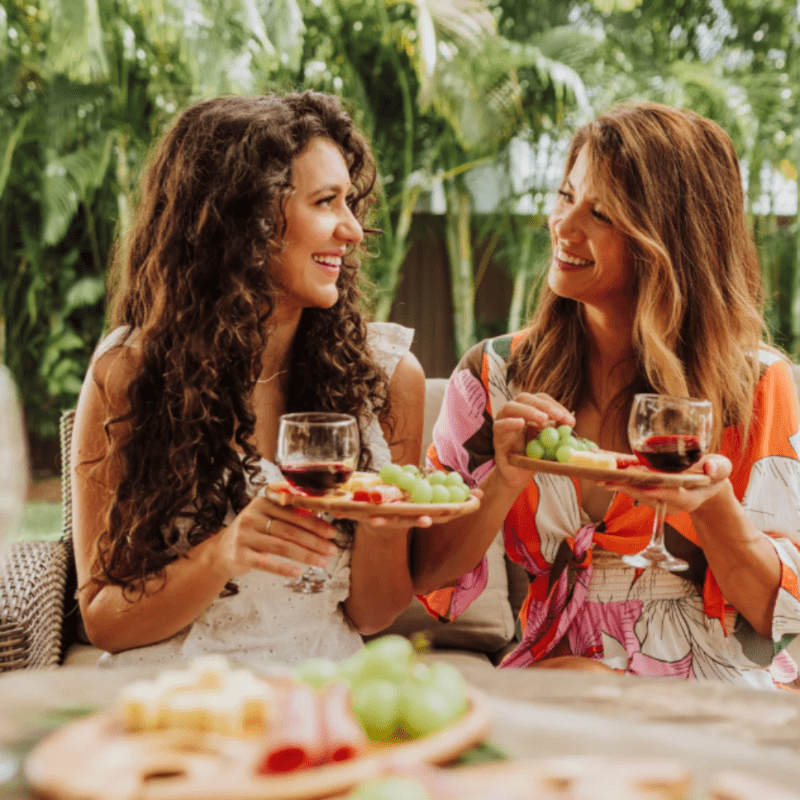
(349, 228)
(566, 224)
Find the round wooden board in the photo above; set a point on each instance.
(344, 505)
(632, 476)
(94, 759)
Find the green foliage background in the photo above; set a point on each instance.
(441, 86)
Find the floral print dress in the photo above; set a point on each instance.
(582, 599)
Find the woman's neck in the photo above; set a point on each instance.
(610, 354)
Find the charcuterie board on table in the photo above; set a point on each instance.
(97, 758)
(639, 476)
(342, 504)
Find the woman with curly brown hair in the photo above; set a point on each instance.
(653, 287)
(239, 300)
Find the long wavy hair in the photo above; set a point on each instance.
(195, 295)
(669, 180)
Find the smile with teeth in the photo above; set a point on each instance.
(328, 261)
(568, 258)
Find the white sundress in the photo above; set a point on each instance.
(266, 623)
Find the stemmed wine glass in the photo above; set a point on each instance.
(13, 485)
(316, 452)
(667, 434)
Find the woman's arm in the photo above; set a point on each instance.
(380, 583)
(190, 584)
(445, 552)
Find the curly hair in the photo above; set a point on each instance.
(669, 180)
(195, 291)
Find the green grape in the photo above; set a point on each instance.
(548, 438)
(550, 452)
(454, 478)
(421, 491)
(424, 709)
(407, 480)
(317, 672)
(440, 493)
(564, 431)
(590, 445)
(458, 494)
(389, 657)
(412, 468)
(580, 444)
(563, 453)
(350, 669)
(534, 449)
(377, 708)
(391, 788)
(445, 678)
(437, 477)
(390, 473)
(420, 673)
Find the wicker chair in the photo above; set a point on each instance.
(37, 621)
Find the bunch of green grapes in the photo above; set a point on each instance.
(395, 696)
(432, 487)
(556, 444)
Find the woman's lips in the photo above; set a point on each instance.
(569, 262)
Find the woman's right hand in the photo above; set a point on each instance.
(264, 529)
(518, 421)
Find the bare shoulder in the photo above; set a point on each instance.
(112, 373)
(408, 380)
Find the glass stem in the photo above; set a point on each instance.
(657, 539)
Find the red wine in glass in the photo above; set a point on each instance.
(316, 451)
(668, 434)
(669, 453)
(316, 479)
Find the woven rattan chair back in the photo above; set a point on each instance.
(34, 581)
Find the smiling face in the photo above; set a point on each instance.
(319, 229)
(590, 258)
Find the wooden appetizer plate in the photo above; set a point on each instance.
(95, 759)
(632, 476)
(343, 505)
(591, 778)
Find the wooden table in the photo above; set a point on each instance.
(536, 713)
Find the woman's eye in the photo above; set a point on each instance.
(602, 217)
(326, 201)
(566, 196)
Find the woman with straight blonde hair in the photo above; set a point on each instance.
(654, 287)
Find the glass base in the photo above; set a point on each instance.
(656, 558)
(310, 582)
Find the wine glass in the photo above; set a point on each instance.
(316, 452)
(667, 434)
(13, 486)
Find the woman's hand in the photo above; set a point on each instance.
(264, 529)
(516, 423)
(678, 499)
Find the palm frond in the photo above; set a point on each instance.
(77, 50)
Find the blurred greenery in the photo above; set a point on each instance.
(41, 520)
(443, 88)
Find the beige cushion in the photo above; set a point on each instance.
(486, 626)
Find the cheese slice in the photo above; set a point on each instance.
(590, 458)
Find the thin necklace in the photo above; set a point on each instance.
(272, 377)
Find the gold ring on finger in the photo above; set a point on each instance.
(269, 525)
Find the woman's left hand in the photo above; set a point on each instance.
(716, 466)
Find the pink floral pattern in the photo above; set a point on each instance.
(582, 599)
